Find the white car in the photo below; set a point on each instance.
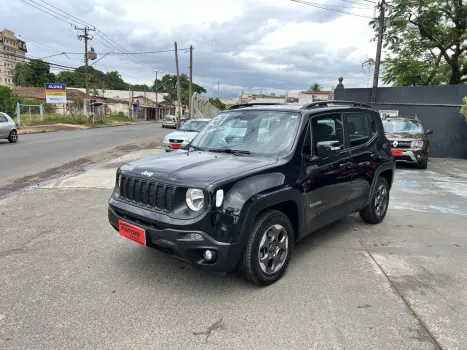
(170, 121)
(183, 136)
(8, 128)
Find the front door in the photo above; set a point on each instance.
(4, 126)
(326, 180)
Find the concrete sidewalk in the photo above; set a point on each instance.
(70, 281)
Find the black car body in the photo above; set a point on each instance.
(296, 178)
(409, 140)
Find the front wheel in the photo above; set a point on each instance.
(377, 208)
(13, 137)
(268, 250)
(423, 164)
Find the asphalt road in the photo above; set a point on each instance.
(68, 280)
(36, 153)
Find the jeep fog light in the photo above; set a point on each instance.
(209, 255)
(219, 198)
(195, 199)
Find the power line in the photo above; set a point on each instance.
(30, 58)
(320, 6)
(66, 13)
(40, 9)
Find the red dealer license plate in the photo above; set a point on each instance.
(134, 233)
(397, 153)
(176, 146)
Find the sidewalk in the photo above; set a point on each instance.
(71, 127)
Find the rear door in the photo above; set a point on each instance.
(362, 134)
(326, 180)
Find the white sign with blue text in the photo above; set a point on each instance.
(55, 93)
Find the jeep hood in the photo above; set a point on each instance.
(194, 169)
(405, 136)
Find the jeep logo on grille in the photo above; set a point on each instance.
(147, 173)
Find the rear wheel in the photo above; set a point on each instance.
(13, 137)
(377, 208)
(268, 250)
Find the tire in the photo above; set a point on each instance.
(13, 137)
(423, 164)
(373, 213)
(273, 231)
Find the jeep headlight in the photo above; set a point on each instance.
(187, 141)
(195, 199)
(417, 144)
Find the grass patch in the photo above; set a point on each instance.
(34, 120)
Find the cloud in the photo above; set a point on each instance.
(266, 44)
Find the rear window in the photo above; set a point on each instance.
(169, 118)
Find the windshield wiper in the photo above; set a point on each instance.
(229, 150)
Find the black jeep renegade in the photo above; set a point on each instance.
(253, 182)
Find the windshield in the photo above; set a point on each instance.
(263, 132)
(401, 125)
(193, 125)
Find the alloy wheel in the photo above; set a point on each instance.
(381, 200)
(273, 249)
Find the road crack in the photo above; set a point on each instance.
(218, 325)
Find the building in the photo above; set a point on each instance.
(12, 51)
(314, 96)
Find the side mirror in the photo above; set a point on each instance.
(429, 132)
(327, 148)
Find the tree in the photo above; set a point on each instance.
(168, 84)
(7, 100)
(216, 102)
(33, 73)
(464, 108)
(316, 87)
(141, 87)
(427, 40)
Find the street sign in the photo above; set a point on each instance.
(55, 93)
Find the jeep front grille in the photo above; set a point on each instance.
(153, 195)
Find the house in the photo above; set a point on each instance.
(313, 96)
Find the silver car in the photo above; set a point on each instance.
(170, 121)
(8, 128)
(183, 136)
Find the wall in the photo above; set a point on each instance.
(438, 107)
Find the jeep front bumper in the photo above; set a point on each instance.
(185, 245)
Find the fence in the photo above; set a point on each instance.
(21, 108)
(438, 107)
(202, 108)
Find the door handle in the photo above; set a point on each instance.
(345, 165)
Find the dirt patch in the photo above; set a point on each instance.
(74, 167)
(72, 127)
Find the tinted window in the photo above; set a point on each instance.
(327, 128)
(358, 129)
(372, 122)
(3, 119)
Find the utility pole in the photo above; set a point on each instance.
(379, 47)
(190, 89)
(86, 37)
(179, 93)
(157, 107)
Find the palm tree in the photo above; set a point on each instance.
(316, 87)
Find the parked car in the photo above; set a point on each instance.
(255, 181)
(183, 136)
(170, 121)
(409, 140)
(8, 128)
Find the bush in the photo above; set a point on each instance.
(7, 100)
(464, 108)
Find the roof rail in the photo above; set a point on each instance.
(335, 102)
(243, 105)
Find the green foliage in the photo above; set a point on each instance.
(7, 100)
(168, 84)
(464, 108)
(217, 103)
(141, 87)
(427, 42)
(33, 73)
(316, 87)
(48, 108)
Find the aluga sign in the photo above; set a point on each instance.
(55, 93)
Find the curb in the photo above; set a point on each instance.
(70, 127)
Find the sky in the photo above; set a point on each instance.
(239, 45)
